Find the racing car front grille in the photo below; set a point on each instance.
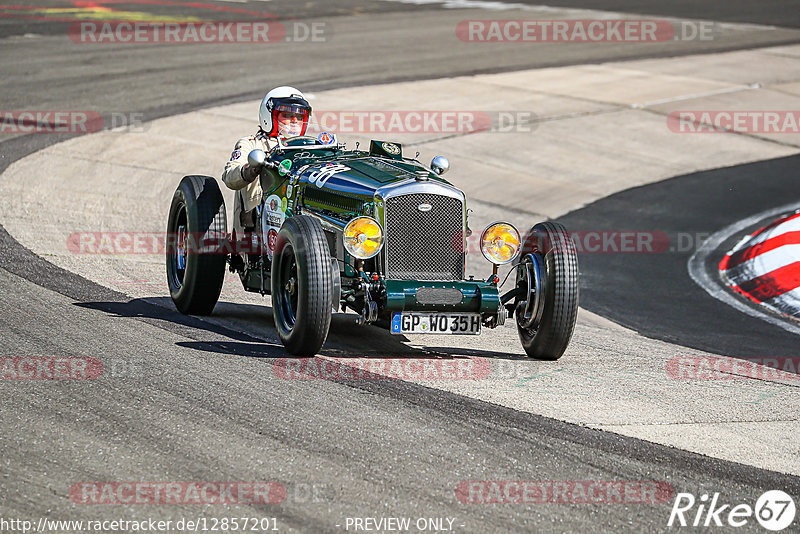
(424, 245)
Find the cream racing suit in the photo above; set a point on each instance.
(248, 195)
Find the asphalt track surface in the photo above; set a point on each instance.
(189, 401)
(367, 42)
(652, 293)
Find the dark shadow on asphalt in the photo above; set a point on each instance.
(653, 293)
(266, 350)
(480, 353)
(146, 309)
(345, 340)
(236, 348)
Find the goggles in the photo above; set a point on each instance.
(289, 112)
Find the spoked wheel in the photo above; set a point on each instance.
(176, 260)
(195, 256)
(285, 305)
(302, 286)
(547, 277)
(531, 281)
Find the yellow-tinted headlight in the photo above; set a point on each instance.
(500, 243)
(363, 237)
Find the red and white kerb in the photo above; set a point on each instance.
(765, 266)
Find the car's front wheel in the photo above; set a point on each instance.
(302, 286)
(548, 278)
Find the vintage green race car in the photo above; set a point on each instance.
(374, 232)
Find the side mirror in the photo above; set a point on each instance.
(440, 165)
(256, 158)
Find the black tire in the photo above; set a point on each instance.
(549, 339)
(302, 286)
(197, 212)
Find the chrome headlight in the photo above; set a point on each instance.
(500, 243)
(363, 237)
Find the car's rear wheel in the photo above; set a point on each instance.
(302, 286)
(548, 278)
(195, 255)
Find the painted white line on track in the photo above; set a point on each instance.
(715, 288)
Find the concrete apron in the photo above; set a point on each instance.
(596, 130)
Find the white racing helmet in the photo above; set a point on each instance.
(287, 100)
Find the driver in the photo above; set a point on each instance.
(284, 112)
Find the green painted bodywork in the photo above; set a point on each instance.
(347, 193)
(480, 297)
(337, 185)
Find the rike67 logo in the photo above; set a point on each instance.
(774, 510)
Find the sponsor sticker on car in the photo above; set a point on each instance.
(320, 176)
(272, 220)
(391, 148)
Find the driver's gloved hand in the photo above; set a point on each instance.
(249, 173)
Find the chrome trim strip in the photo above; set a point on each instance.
(327, 222)
(411, 186)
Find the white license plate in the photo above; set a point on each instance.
(436, 323)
